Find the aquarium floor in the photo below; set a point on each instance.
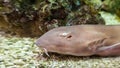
(18, 52)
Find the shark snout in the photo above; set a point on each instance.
(38, 43)
(41, 43)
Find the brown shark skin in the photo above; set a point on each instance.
(82, 40)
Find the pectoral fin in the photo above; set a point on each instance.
(112, 50)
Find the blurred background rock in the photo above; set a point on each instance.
(32, 18)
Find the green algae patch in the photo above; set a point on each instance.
(110, 19)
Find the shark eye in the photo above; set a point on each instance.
(65, 35)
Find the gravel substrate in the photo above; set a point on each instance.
(18, 52)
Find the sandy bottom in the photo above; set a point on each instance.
(18, 52)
